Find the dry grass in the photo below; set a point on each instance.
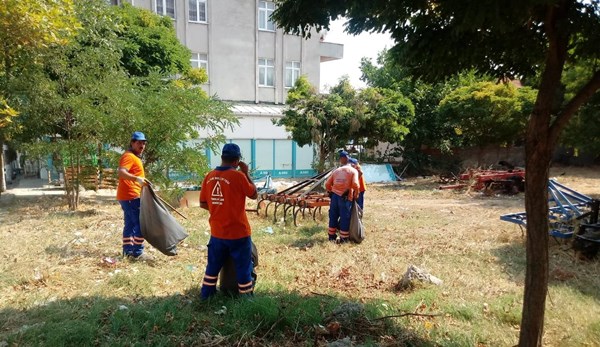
(52, 256)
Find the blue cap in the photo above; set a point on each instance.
(138, 136)
(352, 161)
(343, 154)
(231, 150)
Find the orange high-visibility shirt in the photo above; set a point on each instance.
(344, 178)
(361, 179)
(225, 190)
(127, 189)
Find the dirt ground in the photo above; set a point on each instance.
(49, 253)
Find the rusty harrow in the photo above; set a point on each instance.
(299, 199)
(509, 181)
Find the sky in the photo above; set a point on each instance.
(355, 48)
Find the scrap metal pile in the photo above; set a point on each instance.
(304, 198)
(506, 181)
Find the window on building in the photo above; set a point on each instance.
(265, 10)
(166, 8)
(292, 73)
(200, 60)
(197, 10)
(266, 73)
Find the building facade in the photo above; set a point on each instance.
(252, 64)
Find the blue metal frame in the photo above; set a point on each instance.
(568, 205)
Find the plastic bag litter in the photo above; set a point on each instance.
(158, 226)
(227, 276)
(357, 230)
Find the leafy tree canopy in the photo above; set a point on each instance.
(27, 27)
(312, 118)
(30, 25)
(333, 120)
(440, 38)
(487, 113)
(583, 132)
(81, 103)
(149, 42)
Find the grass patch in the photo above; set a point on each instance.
(461, 312)
(507, 309)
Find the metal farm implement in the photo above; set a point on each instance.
(509, 181)
(568, 209)
(299, 199)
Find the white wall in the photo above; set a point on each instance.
(253, 127)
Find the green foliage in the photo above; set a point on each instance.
(487, 113)
(429, 128)
(149, 42)
(386, 116)
(333, 120)
(322, 120)
(6, 113)
(82, 97)
(27, 27)
(583, 131)
(437, 39)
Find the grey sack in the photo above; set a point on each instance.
(227, 277)
(357, 230)
(159, 227)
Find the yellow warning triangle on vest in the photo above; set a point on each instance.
(217, 190)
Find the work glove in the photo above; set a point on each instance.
(141, 180)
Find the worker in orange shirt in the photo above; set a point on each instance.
(223, 194)
(361, 183)
(343, 187)
(131, 179)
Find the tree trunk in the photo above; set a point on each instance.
(77, 183)
(2, 176)
(537, 151)
(322, 157)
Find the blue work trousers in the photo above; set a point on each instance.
(133, 241)
(361, 200)
(339, 214)
(218, 251)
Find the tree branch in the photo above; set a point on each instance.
(582, 96)
(409, 314)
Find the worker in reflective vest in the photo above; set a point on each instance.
(361, 182)
(343, 188)
(223, 194)
(131, 179)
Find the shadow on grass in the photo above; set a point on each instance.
(564, 269)
(275, 318)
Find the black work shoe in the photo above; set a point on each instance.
(141, 258)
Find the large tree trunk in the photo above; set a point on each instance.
(539, 146)
(538, 151)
